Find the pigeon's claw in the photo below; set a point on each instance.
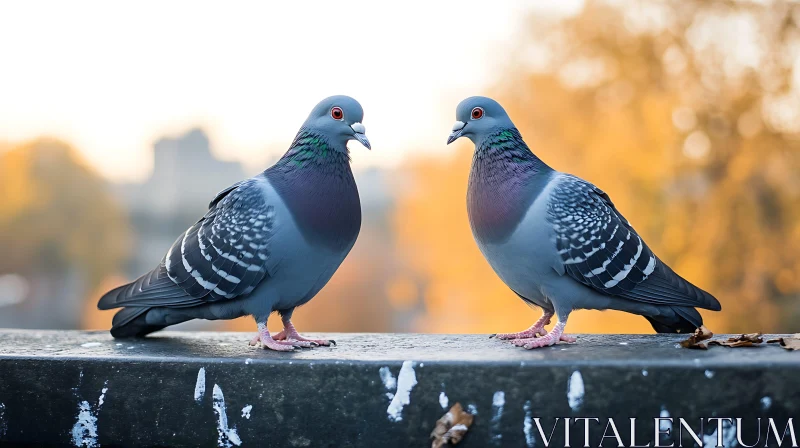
(568, 338)
(290, 334)
(295, 338)
(276, 345)
(551, 338)
(535, 330)
(311, 342)
(267, 341)
(294, 343)
(531, 332)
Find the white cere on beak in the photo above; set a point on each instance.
(359, 128)
(458, 126)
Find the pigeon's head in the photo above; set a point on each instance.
(478, 116)
(339, 119)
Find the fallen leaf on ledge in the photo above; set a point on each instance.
(450, 429)
(743, 340)
(695, 340)
(791, 343)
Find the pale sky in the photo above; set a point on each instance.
(112, 77)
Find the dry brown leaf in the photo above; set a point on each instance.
(450, 429)
(792, 343)
(695, 340)
(743, 340)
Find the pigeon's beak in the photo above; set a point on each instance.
(458, 129)
(358, 134)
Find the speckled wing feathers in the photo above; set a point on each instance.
(599, 248)
(222, 256)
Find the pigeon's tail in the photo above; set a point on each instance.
(154, 289)
(676, 319)
(131, 322)
(146, 298)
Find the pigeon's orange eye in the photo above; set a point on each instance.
(477, 113)
(337, 113)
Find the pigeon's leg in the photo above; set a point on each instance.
(536, 329)
(267, 341)
(551, 338)
(290, 334)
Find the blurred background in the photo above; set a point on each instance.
(118, 123)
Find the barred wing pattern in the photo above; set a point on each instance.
(224, 254)
(600, 249)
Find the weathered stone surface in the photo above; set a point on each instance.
(59, 388)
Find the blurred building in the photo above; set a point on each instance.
(186, 176)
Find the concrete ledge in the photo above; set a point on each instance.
(209, 389)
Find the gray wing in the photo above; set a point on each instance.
(599, 248)
(223, 255)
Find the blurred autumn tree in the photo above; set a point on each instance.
(59, 229)
(687, 113)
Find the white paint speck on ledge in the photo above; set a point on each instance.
(389, 381)
(498, 402)
(3, 425)
(709, 374)
(91, 344)
(226, 436)
(527, 425)
(200, 385)
(499, 399)
(406, 381)
(644, 372)
(575, 391)
(443, 400)
(102, 396)
(246, 411)
(84, 431)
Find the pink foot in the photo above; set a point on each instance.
(551, 338)
(535, 330)
(268, 342)
(290, 334)
(257, 338)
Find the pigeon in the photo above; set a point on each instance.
(268, 243)
(558, 241)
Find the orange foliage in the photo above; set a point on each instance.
(57, 214)
(710, 184)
